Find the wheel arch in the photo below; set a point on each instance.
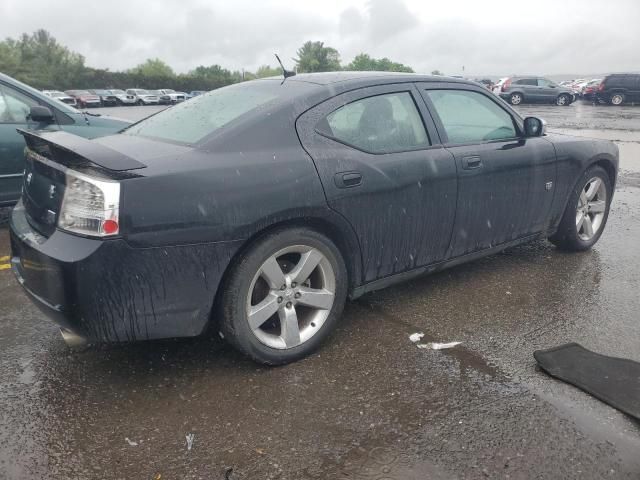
(333, 226)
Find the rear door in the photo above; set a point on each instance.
(384, 169)
(505, 181)
(529, 87)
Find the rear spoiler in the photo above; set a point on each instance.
(68, 149)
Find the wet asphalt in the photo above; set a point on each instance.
(369, 404)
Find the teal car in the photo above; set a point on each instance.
(24, 107)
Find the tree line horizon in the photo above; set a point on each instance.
(40, 61)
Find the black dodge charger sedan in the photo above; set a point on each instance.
(256, 209)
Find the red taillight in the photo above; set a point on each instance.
(110, 227)
(506, 84)
(601, 87)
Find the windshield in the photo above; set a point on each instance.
(141, 92)
(117, 92)
(191, 121)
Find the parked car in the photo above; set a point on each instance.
(124, 98)
(176, 97)
(60, 96)
(517, 90)
(163, 99)
(24, 107)
(588, 92)
(84, 99)
(107, 98)
(194, 93)
(143, 97)
(373, 179)
(618, 89)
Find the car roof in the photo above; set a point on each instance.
(364, 78)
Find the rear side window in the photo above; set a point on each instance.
(526, 81)
(471, 117)
(192, 121)
(381, 124)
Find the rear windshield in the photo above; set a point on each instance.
(191, 121)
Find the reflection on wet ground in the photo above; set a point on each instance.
(368, 405)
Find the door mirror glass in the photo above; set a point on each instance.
(38, 113)
(534, 127)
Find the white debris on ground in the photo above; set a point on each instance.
(416, 337)
(131, 442)
(190, 437)
(438, 346)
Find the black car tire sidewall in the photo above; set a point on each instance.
(234, 325)
(566, 237)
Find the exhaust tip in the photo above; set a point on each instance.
(72, 340)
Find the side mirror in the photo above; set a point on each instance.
(534, 127)
(38, 113)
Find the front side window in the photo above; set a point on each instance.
(471, 117)
(543, 82)
(381, 124)
(14, 106)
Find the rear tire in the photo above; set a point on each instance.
(586, 213)
(617, 99)
(515, 99)
(284, 296)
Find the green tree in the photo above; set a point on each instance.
(153, 67)
(365, 63)
(267, 71)
(39, 60)
(315, 57)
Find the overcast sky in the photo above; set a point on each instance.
(487, 37)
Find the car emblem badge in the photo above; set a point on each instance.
(52, 191)
(548, 186)
(29, 175)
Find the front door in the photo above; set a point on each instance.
(505, 181)
(14, 110)
(383, 168)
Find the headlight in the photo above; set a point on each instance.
(90, 206)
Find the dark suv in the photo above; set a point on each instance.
(517, 90)
(619, 88)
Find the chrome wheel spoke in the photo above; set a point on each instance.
(598, 206)
(579, 220)
(272, 273)
(316, 298)
(583, 199)
(307, 264)
(594, 187)
(289, 328)
(260, 313)
(588, 226)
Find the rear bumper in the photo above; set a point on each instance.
(108, 291)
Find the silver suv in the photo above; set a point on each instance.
(517, 90)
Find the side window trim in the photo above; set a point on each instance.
(328, 107)
(424, 87)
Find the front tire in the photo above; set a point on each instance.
(563, 100)
(284, 296)
(586, 213)
(515, 99)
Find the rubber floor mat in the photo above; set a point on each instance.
(615, 381)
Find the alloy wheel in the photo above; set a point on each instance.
(592, 205)
(291, 296)
(516, 99)
(616, 100)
